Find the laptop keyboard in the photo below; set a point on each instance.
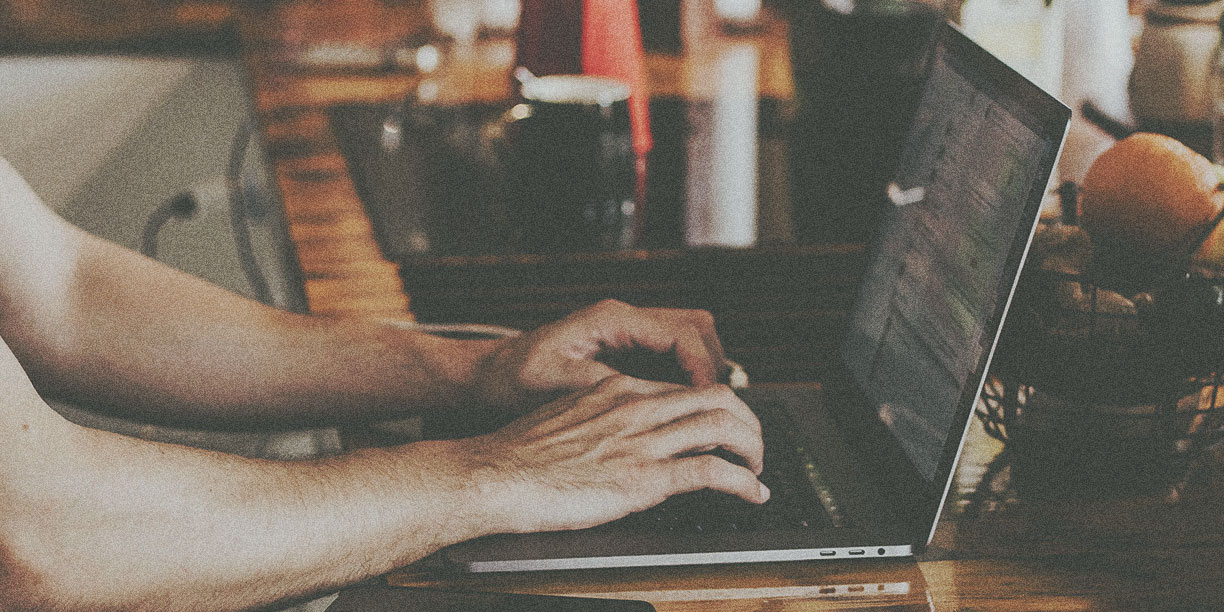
(795, 499)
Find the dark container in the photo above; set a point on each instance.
(858, 75)
(572, 173)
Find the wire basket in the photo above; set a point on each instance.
(1103, 373)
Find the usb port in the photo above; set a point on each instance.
(858, 552)
(828, 553)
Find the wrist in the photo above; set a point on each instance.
(473, 362)
(466, 510)
(451, 366)
(487, 387)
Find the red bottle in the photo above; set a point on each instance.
(597, 37)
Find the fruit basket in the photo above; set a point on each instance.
(1111, 375)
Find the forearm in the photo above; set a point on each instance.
(120, 524)
(138, 336)
(94, 322)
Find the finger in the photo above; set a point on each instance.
(709, 472)
(584, 373)
(650, 412)
(708, 358)
(622, 326)
(703, 431)
(695, 358)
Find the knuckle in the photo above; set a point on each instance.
(707, 468)
(721, 421)
(611, 304)
(703, 318)
(533, 375)
(723, 395)
(526, 371)
(754, 425)
(703, 468)
(615, 383)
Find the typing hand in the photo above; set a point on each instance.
(622, 447)
(563, 356)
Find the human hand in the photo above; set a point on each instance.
(560, 357)
(622, 447)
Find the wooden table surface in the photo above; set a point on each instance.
(999, 548)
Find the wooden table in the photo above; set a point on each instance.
(998, 548)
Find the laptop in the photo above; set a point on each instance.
(860, 466)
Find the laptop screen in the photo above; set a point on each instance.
(960, 211)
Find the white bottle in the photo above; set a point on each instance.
(1026, 34)
(1216, 90)
(1097, 62)
(1169, 85)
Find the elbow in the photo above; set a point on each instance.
(34, 569)
(20, 584)
(23, 588)
(32, 579)
(20, 589)
(26, 588)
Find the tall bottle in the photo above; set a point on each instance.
(857, 67)
(1217, 99)
(1027, 34)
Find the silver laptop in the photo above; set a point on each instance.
(860, 467)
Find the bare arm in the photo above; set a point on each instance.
(94, 521)
(90, 320)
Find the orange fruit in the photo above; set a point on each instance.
(1150, 193)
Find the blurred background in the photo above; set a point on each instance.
(82, 79)
(177, 127)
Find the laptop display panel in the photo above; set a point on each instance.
(959, 217)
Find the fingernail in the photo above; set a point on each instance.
(764, 493)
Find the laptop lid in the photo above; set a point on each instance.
(960, 213)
